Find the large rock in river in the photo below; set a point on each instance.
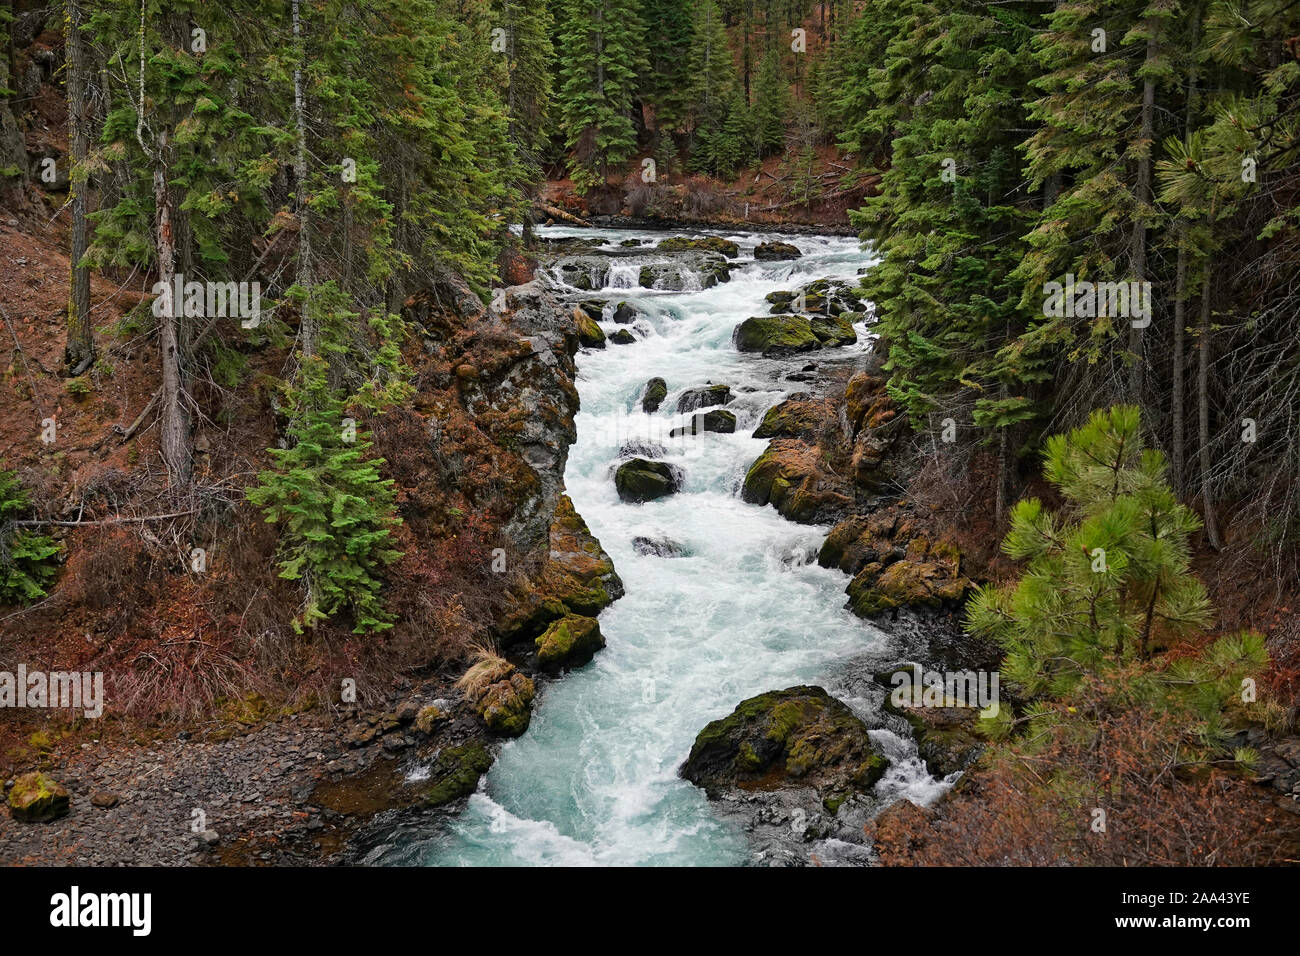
(787, 334)
(656, 390)
(769, 251)
(896, 562)
(789, 476)
(718, 420)
(590, 335)
(500, 695)
(798, 737)
(706, 244)
(640, 480)
(570, 642)
(686, 271)
(799, 416)
(705, 396)
(578, 577)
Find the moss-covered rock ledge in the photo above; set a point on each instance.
(577, 578)
(897, 561)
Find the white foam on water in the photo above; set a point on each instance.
(594, 780)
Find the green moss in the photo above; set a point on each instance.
(639, 480)
(833, 331)
(590, 335)
(656, 390)
(833, 801)
(36, 798)
(570, 642)
(706, 244)
(505, 706)
(775, 334)
(457, 771)
(746, 759)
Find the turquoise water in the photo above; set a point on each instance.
(593, 781)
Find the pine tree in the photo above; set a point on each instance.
(600, 58)
(1101, 70)
(666, 80)
(771, 104)
(527, 94)
(948, 221)
(337, 513)
(1106, 583)
(1107, 578)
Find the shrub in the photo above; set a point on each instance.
(26, 557)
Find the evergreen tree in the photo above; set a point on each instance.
(600, 58)
(712, 70)
(666, 81)
(527, 94)
(771, 104)
(26, 557)
(1106, 584)
(948, 221)
(336, 512)
(1107, 578)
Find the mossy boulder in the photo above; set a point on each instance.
(718, 420)
(506, 704)
(580, 574)
(798, 737)
(570, 642)
(895, 565)
(769, 251)
(703, 244)
(36, 798)
(833, 331)
(640, 480)
(590, 335)
(455, 773)
(789, 476)
(706, 396)
(593, 308)
(622, 337)
(874, 423)
(820, 297)
(705, 268)
(430, 718)
(625, 313)
(794, 418)
(656, 390)
(775, 335)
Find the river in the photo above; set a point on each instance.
(745, 610)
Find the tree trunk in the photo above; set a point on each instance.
(1203, 412)
(306, 328)
(79, 354)
(1178, 396)
(176, 446)
(1004, 469)
(1142, 193)
(1178, 463)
